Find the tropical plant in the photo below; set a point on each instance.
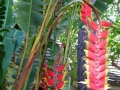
(38, 42)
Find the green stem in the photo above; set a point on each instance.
(68, 37)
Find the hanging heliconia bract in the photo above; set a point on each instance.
(56, 77)
(96, 52)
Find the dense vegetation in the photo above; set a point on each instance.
(34, 32)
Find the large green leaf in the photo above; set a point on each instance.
(17, 36)
(28, 14)
(6, 55)
(101, 6)
(2, 12)
(8, 13)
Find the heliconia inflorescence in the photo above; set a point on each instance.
(54, 77)
(96, 52)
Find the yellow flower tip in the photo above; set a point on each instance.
(106, 71)
(89, 20)
(87, 83)
(86, 52)
(107, 86)
(87, 43)
(44, 69)
(88, 32)
(86, 66)
(87, 73)
(107, 55)
(106, 79)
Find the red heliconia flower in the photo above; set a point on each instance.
(102, 52)
(103, 59)
(105, 24)
(96, 77)
(90, 77)
(101, 67)
(105, 87)
(43, 84)
(102, 44)
(91, 46)
(61, 76)
(91, 85)
(96, 70)
(103, 34)
(90, 54)
(61, 68)
(102, 82)
(49, 81)
(93, 25)
(90, 62)
(90, 69)
(92, 37)
(102, 74)
(60, 85)
(86, 12)
(83, 18)
(84, 5)
(44, 74)
(49, 73)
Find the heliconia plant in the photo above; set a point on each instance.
(85, 12)
(54, 77)
(96, 52)
(60, 85)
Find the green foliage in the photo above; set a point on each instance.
(2, 12)
(20, 22)
(28, 16)
(98, 4)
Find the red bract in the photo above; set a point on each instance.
(61, 76)
(102, 75)
(90, 54)
(91, 46)
(93, 25)
(102, 44)
(49, 73)
(90, 69)
(102, 82)
(105, 87)
(90, 62)
(101, 67)
(43, 85)
(60, 85)
(103, 34)
(102, 52)
(49, 81)
(61, 68)
(103, 59)
(86, 12)
(44, 73)
(91, 85)
(105, 24)
(90, 77)
(92, 37)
